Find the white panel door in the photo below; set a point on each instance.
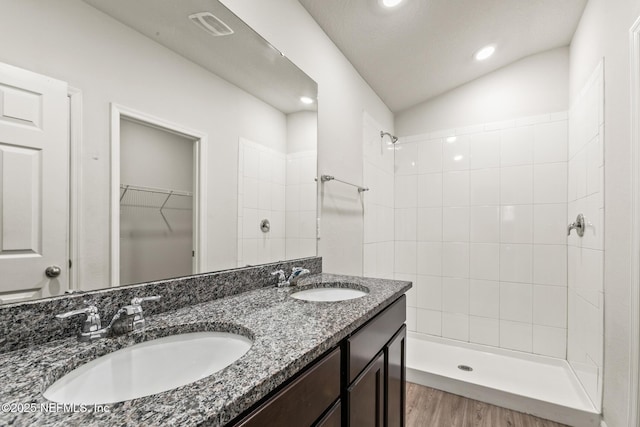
(34, 167)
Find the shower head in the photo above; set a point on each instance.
(394, 139)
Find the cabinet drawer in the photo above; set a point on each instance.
(302, 402)
(368, 341)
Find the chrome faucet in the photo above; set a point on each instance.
(296, 272)
(129, 318)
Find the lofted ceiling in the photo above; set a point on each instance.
(423, 48)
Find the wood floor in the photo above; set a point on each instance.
(428, 407)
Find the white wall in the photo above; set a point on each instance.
(343, 95)
(302, 131)
(110, 62)
(534, 85)
(604, 32)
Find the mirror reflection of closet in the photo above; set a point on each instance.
(156, 203)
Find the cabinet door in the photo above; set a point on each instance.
(395, 379)
(303, 401)
(333, 418)
(366, 396)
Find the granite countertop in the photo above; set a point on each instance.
(287, 335)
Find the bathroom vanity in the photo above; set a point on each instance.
(310, 363)
(358, 383)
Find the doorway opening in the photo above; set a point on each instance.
(157, 198)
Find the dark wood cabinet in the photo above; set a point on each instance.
(360, 383)
(366, 396)
(302, 402)
(395, 369)
(333, 418)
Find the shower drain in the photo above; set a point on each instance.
(465, 368)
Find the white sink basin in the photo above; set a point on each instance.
(148, 368)
(328, 294)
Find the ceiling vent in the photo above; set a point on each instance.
(211, 24)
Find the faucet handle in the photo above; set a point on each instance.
(92, 309)
(135, 316)
(140, 300)
(280, 274)
(91, 324)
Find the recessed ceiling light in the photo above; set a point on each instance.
(451, 139)
(458, 158)
(391, 3)
(306, 100)
(485, 52)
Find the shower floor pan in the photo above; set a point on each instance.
(542, 386)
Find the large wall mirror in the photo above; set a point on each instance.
(148, 139)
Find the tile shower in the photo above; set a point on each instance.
(279, 187)
(479, 222)
(480, 228)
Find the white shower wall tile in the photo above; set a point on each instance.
(516, 263)
(516, 335)
(484, 261)
(455, 188)
(550, 306)
(549, 183)
(488, 225)
(550, 265)
(485, 224)
(429, 190)
(455, 154)
(455, 326)
(549, 341)
(455, 224)
(429, 258)
(484, 187)
(516, 302)
(550, 142)
(455, 260)
(300, 202)
(406, 187)
(516, 224)
(379, 207)
(429, 292)
(406, 161)
(484, 298)
(455, 295)
(485, 150)
(550, 224)
(406, 224)
(429, 223)
(430, 156)
(429, 322)
(485, 331)
(586, 255)
(516, 185)
(516, 146)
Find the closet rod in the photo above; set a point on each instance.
(127, 187)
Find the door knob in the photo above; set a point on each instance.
(53, 271)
